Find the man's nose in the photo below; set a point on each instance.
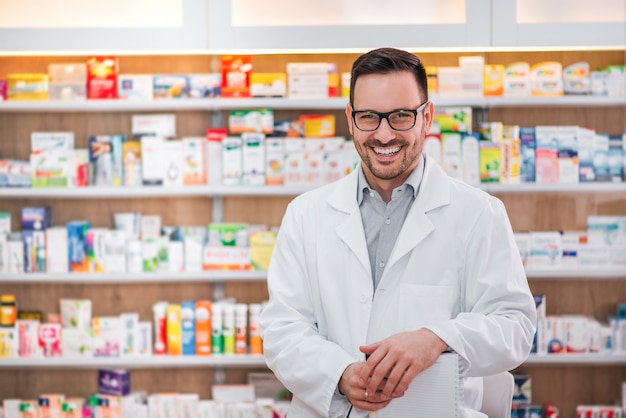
(384, 131)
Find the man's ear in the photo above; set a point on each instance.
(429, 113)
(349, 117)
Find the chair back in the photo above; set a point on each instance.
(498, 395)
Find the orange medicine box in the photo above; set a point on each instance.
(203, 328)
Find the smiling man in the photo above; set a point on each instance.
(375, 275)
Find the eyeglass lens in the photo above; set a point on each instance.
(400, 120)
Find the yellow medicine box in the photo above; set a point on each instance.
(493, 81)
(27, 86)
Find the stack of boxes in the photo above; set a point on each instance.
(312, 80)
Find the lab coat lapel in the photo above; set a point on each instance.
(350, 231)
(434, 192)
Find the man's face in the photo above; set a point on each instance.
(389, 155)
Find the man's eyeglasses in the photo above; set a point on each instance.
(399, 120)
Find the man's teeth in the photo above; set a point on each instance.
(386, 151)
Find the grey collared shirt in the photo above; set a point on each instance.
(382, 221)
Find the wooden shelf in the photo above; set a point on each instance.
(122, 192)
(577, 360)
(147, 277)
(251, 275)
(334, 103)
(136, 362)
(577, 273)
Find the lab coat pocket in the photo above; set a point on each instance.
(423, 305)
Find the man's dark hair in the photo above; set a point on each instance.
(386, 61)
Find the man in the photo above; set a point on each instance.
(396, 263)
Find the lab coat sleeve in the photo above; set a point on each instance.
(495, 328)
(307, 364)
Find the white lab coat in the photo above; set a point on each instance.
(455, 269)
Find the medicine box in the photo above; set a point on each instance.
(586, 150)
(134, 87)
(204, 85)
(236, 71)
(102, 77)
(516, 80)
(523, 391)
(68, 81)
(170, 86)
(76, 313)
(188, 328)
(545, 249)
(106, 336)
(567, 142)
(193, 166)
(50, 339)
(27, 86)
(232, 161)
(253, 159)
(114, 382)
(275, 161)
(268, 84)
(76, 342)
(547, 162)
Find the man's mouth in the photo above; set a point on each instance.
(387, 150)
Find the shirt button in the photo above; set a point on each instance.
(381, 264)
(387, 221)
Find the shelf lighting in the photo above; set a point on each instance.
(459, 49)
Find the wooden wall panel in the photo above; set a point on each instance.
(559, 211)
(596, 298)
(16, 127)
(108, 299)
(27, 384)
(256, 210)
(179, 211)
(247, 292)
(567, 387)
(609, 120)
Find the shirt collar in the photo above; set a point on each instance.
(414, 180)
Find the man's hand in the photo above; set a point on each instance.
(396, 360)
(354, 389)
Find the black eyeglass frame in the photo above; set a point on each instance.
(385, 115)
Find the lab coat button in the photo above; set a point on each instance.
(363, 299)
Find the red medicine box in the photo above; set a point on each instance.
(102, 77)
(236, 70)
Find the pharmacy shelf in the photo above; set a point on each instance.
(126, 278)
(496, 188)
(251, 275)
(120, 192)
(335, 103)
(259, 190)
(576, 360)
(218, 191)
(598, 273)
(171, 105)
(137, 362)
(557, 101)
(106, 105)
(123, 192)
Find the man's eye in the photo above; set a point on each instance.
(364, 116)
(402, 115)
